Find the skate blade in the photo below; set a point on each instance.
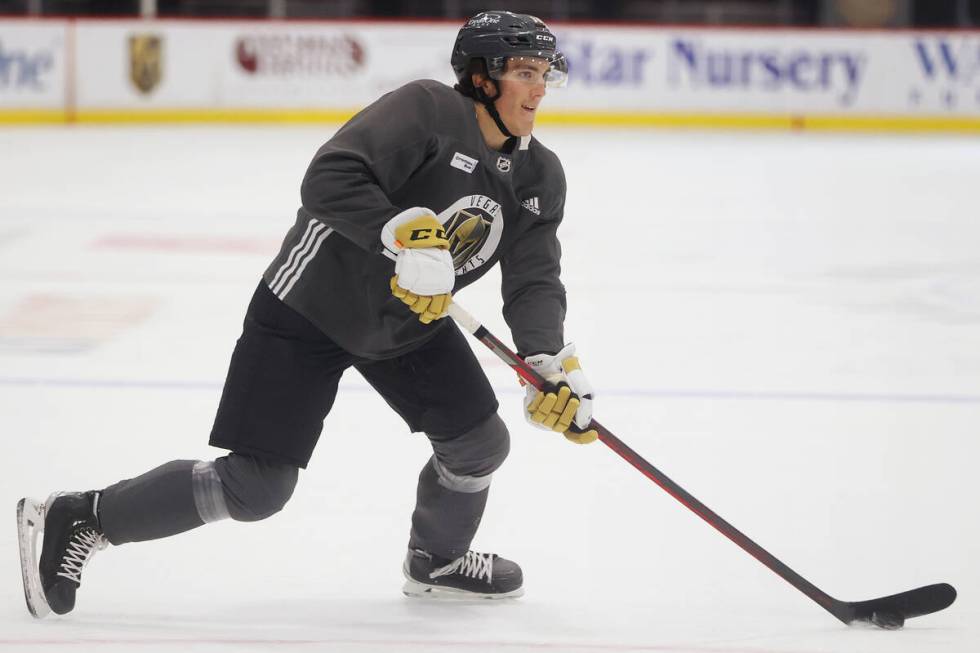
(30, 524)
(419, 590)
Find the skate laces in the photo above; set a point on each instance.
(81, 547)
(472, 564)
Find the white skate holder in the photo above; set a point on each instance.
(30, 524)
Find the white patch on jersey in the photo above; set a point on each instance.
(474, 225)
(531, 205)
(503, 164)
(462, 162)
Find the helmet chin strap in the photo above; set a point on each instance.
(490, 104)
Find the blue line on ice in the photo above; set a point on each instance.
(638, 393)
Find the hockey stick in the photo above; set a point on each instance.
(888, 612)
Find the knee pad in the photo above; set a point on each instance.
(242, 487)
(465, 463)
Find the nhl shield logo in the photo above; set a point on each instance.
(145, 61)
(503, 164)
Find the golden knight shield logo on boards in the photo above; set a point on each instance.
(145, 61)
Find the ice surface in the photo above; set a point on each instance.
(786, 324)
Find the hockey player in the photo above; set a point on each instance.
(415, 197)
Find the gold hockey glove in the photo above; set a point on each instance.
(564, 404)
(424, 273)
(428, 307)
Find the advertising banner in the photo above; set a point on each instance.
(946, 73)
(32, 65)
(200, 70)
(764, 71)
(329, 65)
(252, 65)
(140, 65)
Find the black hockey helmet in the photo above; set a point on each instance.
(495, 36)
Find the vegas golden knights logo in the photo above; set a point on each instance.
(145, 61)
(467, 231)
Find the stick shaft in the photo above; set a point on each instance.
(527, 373)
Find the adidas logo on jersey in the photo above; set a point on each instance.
(532, 205)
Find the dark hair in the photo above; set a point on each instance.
(465, 84)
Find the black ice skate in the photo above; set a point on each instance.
(71, 537)
(474, 575)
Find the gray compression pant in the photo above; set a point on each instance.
(184, 494)
(453, 488)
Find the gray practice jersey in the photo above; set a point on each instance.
(421, 145)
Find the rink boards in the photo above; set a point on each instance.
(113, 71)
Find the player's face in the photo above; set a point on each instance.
(522, 87)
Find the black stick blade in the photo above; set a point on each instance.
(890, 612)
